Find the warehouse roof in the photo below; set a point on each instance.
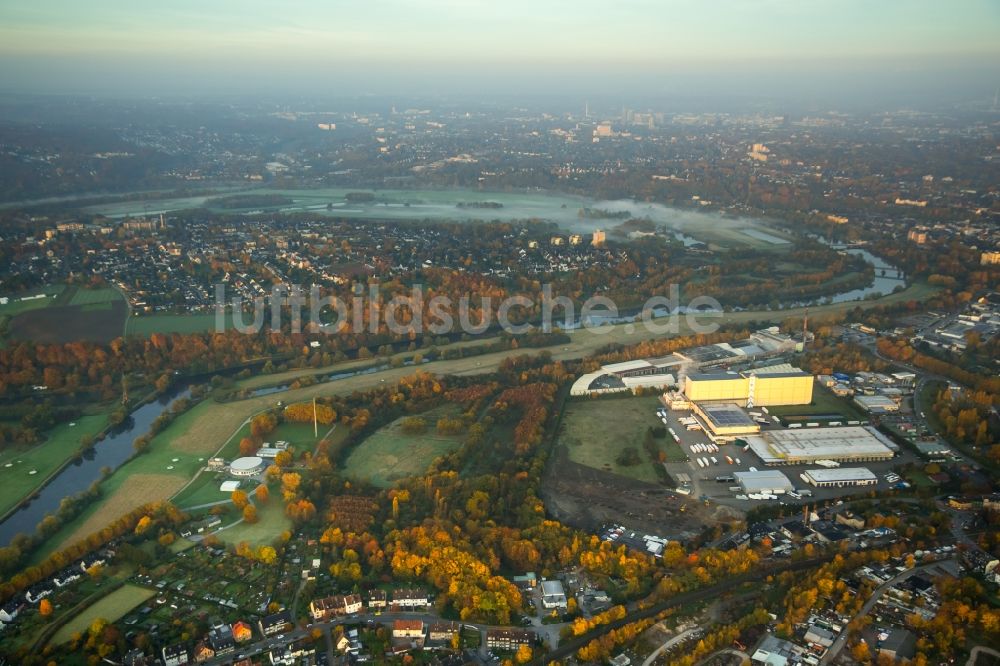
(768, 478)
(626, 366)
(712, 376)
(776, 447)
(841, 474)
(778, 370)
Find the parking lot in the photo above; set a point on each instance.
(704, 483)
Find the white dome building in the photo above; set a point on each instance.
(248, 466)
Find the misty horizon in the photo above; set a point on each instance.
(824, 53)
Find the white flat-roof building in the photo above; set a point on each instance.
(553, 595)
(839, 477)
(876, 404)
(229, 486)
(841, 444)
(768, 481)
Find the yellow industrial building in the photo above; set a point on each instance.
(763, 387)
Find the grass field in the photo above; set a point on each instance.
(61, 445)
(70, 313)
(389, 454)
(734, 236)
(95, 296)
(204, 490)
(16, 306)
(111, 608)
(57, 324)
(133, 491)
(272, 522)
(146, 325)
(596, 431)
(823, 402)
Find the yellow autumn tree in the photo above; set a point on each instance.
(143, 524)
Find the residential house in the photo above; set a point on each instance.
(409, 598)
(407, 629)
(136, 657)
(377, 600)
(509, 639)
(65, 577)
(221, 639)
(328, 608)
(203, 652)
(353, 604)
(176, 655)
(850, 520)
(10, 610)
(281, 656)
(818, 635)
(37, 592)
(322, 610)
(91, 562)
(275, 623)
(442, 632)
(242, 632)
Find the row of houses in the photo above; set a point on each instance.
(43, 588)
(328, 608)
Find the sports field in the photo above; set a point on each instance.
(95, 296)
(110, 607)
(62, 444)
(596, 431)
(389, 454)
(146, 325)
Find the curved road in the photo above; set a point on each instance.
(841, 640)
(666, 646)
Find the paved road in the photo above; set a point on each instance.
(292, 635)
(981, 649)
(841, 640)
(669, 644)
(739, 653)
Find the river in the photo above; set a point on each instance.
(75, 478)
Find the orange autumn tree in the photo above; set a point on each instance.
(302, 412)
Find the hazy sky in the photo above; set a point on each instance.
(542, 45)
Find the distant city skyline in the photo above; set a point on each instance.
(454, 45)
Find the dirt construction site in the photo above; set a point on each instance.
(588, 499)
